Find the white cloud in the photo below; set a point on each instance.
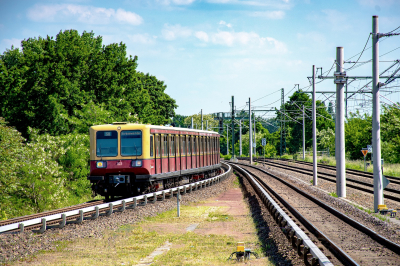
(85, 14)
(201, 35)
(373, 3)
(7, 43)
(142, 38)
(225, 24)
(172, 32)
(244, 40)
(312, 37)
(175, 2)
(250, 39)
(270, 3)
(269, 14)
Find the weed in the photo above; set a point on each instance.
(333, 194)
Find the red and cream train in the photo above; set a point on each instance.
(130, 159)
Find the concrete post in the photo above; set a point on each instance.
(376, 127)
(192, 123)
(339, 128)
(240, 137)
(250, 135)
(254, 140)
(207, 125)
(227, 140)
(314, 130)
(233, 126)
(201, 119)
(304, 136)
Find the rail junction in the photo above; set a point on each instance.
(308, 222)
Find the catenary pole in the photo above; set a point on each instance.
(233, 126)
(201, 119)
(250, 135)
(376, 134)
(227, 140)
(254, 133)
(240, 137)
(304, 136)
(191, 126)
(339, 125)
(314, 130)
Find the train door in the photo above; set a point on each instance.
(153, 160)
(177, 154)
(171, 156)
(165, 154)
(183, 152)
(158, 156)
(207, 151)
(201, 151)
(193, 151)
(196, 152)
(189, 152)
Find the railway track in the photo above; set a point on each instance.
(392, 179)
(351, 242)
(92, 210)
(352, 182)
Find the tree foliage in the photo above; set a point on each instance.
(65, 84)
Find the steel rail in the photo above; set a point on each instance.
(293, 231)
(321, 175)
(378, 238)
(393, 179)
(108, 208)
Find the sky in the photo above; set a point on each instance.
(209, 50)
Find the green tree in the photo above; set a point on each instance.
(51, 83)
(179, 120)
(390, 132)
(358, 133)
(212, 124)
(294, 112)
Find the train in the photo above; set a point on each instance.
(128, 159)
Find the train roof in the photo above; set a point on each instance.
(158, 129)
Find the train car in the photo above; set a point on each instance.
(130, 159)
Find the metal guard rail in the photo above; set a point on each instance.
(129, 203)
(283, 218)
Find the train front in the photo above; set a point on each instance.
(117, 156)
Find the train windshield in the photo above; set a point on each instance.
(131, 143)
(106, 143)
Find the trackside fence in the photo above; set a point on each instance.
(107, 209)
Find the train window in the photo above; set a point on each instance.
(158, 146)
(165, 146)
(131, 143)
(151, 146)
(189, 145)
(195, 145)
(106, 143)
(172, 147)
(193, 141)
(177, 145)
(183, 145)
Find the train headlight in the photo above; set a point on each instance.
(101, 164)
(137, 163)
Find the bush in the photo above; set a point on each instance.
(227, 157)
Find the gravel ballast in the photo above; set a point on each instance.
(18, 246)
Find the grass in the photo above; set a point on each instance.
(130, 243)
(333, 194)
(377, 215)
